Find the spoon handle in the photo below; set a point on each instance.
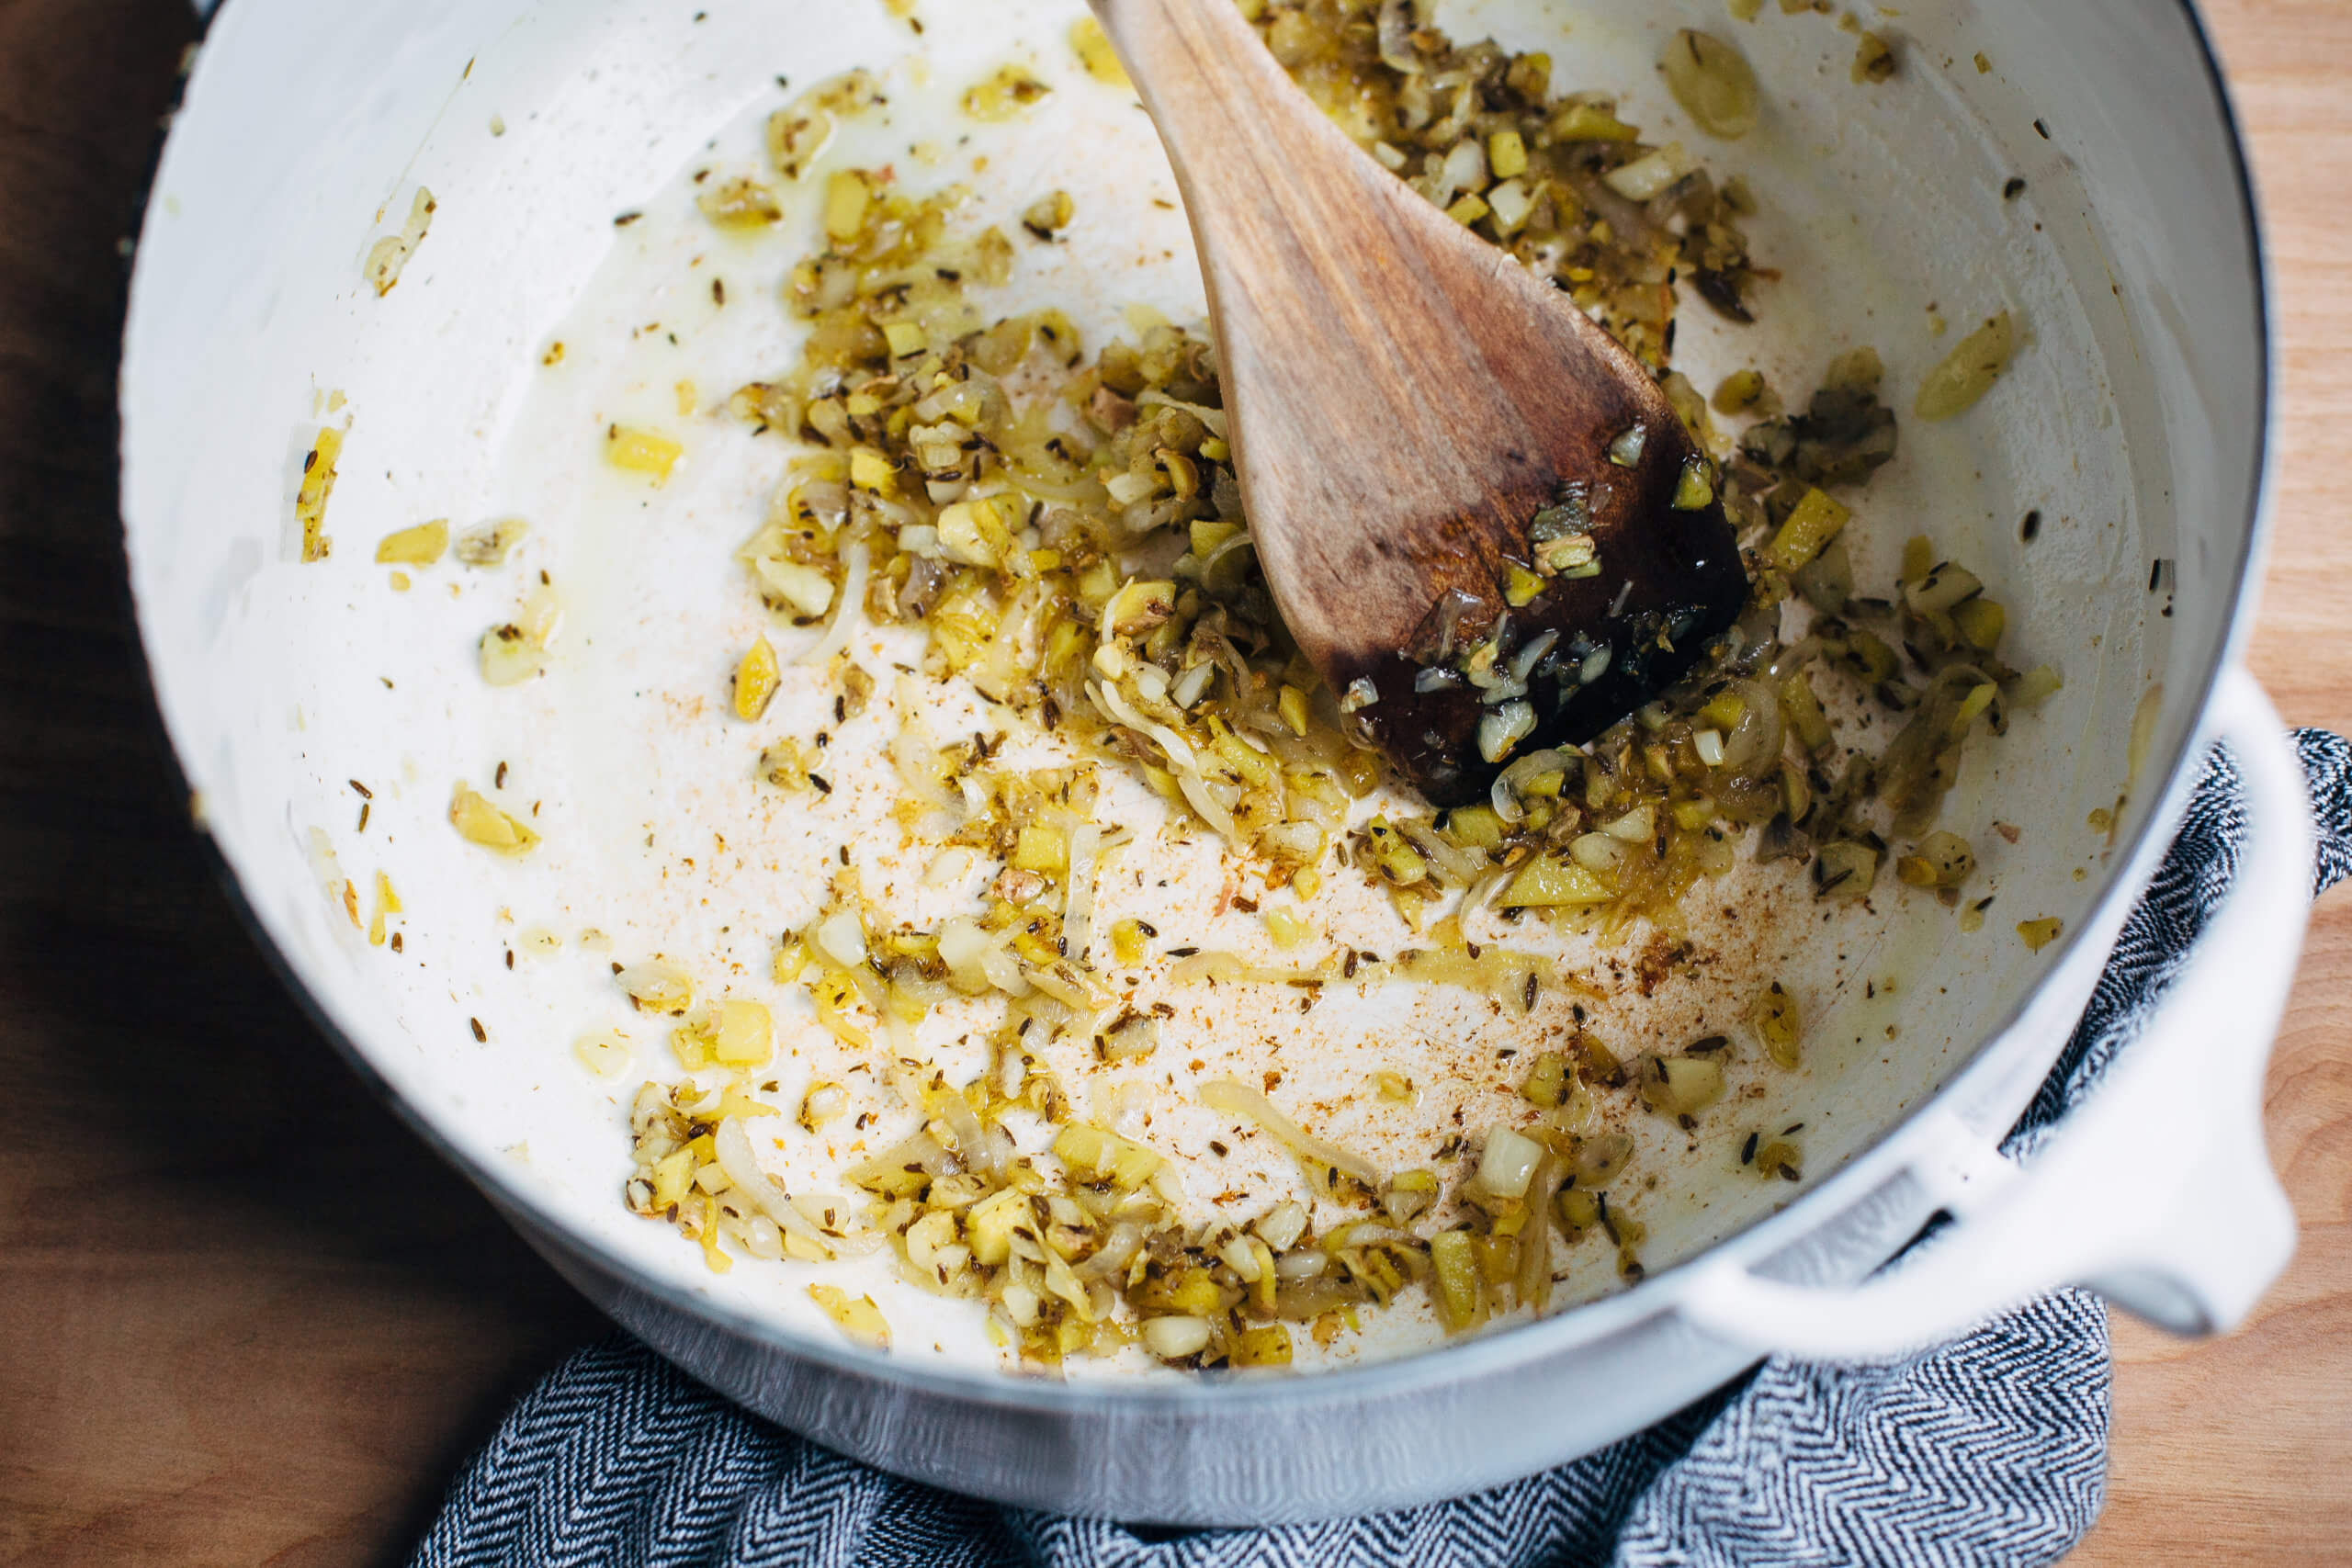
(1373, 350)
(1346, 307)
(1277, 195)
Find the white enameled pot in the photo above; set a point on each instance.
(2134, 424)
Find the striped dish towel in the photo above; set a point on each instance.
(1992, 1449)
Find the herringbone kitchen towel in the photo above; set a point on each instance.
(1992, 1449)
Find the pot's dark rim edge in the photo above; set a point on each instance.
(1522, 1344)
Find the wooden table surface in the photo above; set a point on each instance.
(248, 1319)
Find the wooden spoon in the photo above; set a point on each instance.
(1405, 401)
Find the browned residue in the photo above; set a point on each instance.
(1654, 962)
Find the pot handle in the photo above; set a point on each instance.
(2157, 1192)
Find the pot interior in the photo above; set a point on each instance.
(2128, 426)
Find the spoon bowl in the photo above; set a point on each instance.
(1480, 516)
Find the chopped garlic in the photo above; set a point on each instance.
(756, 678)
(318, 484)
(2041, 933)
(657, 986)
(856, 1317)
(487, 544)
(641, 452)
(605, 1053)
(419, 545)
(480, 821)
(1094, 53)
(389, 255)
(1003, 94)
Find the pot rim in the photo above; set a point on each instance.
(1816, 1209)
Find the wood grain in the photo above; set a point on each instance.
(247, 1317)
(1405, 400)
(250, 1320)
(2240, 1451)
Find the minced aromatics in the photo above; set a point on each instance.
(1062, 521)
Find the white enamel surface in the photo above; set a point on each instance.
(282, 682)
(2159, 1189)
